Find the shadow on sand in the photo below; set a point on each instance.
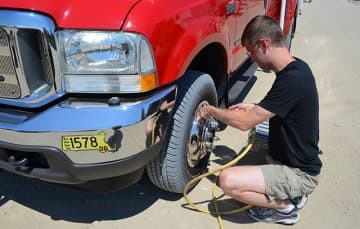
(64, 203)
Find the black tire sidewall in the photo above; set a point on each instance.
(193, 89)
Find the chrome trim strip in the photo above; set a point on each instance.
(133, 141)
(25, 20)
(62, 117)
(136, 123)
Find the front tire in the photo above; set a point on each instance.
(179, 161)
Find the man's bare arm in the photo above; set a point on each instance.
(242, 118)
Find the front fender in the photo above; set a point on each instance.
(177, 31)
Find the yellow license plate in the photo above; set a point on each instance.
(86, 142)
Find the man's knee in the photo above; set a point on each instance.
(242, 179)
(227, 181)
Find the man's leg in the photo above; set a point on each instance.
(247, 185)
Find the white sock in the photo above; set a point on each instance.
(287, 210)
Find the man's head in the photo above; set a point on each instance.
(263, 27)
(260, 36)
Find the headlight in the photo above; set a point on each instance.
(105, 62)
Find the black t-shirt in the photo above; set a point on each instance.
(294, 130)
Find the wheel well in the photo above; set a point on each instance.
(212, 60)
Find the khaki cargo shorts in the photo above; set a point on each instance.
(283, 182)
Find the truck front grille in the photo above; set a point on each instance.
(9, 86)
(27, 59)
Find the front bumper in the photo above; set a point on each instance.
(126, 128)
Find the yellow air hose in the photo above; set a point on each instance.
(218, 214)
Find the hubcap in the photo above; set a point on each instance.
(201, 139)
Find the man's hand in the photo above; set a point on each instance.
(205, 112)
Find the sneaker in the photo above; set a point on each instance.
(269, 215)
(300, 201)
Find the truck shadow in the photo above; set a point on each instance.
(63, 203)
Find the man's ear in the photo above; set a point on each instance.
(264, 43)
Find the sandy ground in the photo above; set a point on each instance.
(326, 38)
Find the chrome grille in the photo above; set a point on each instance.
(29, 68)
(46, 60)
(6, 66)
(8, 90)
(9, 86)
(3, 39)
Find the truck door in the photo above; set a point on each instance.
(236, 9)
(245, 11)
(254, 8)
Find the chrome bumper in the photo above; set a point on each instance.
(132, 128)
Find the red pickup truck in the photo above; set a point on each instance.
(95, 90)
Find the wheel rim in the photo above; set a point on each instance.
(201, 138)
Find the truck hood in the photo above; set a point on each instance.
(90, 14)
